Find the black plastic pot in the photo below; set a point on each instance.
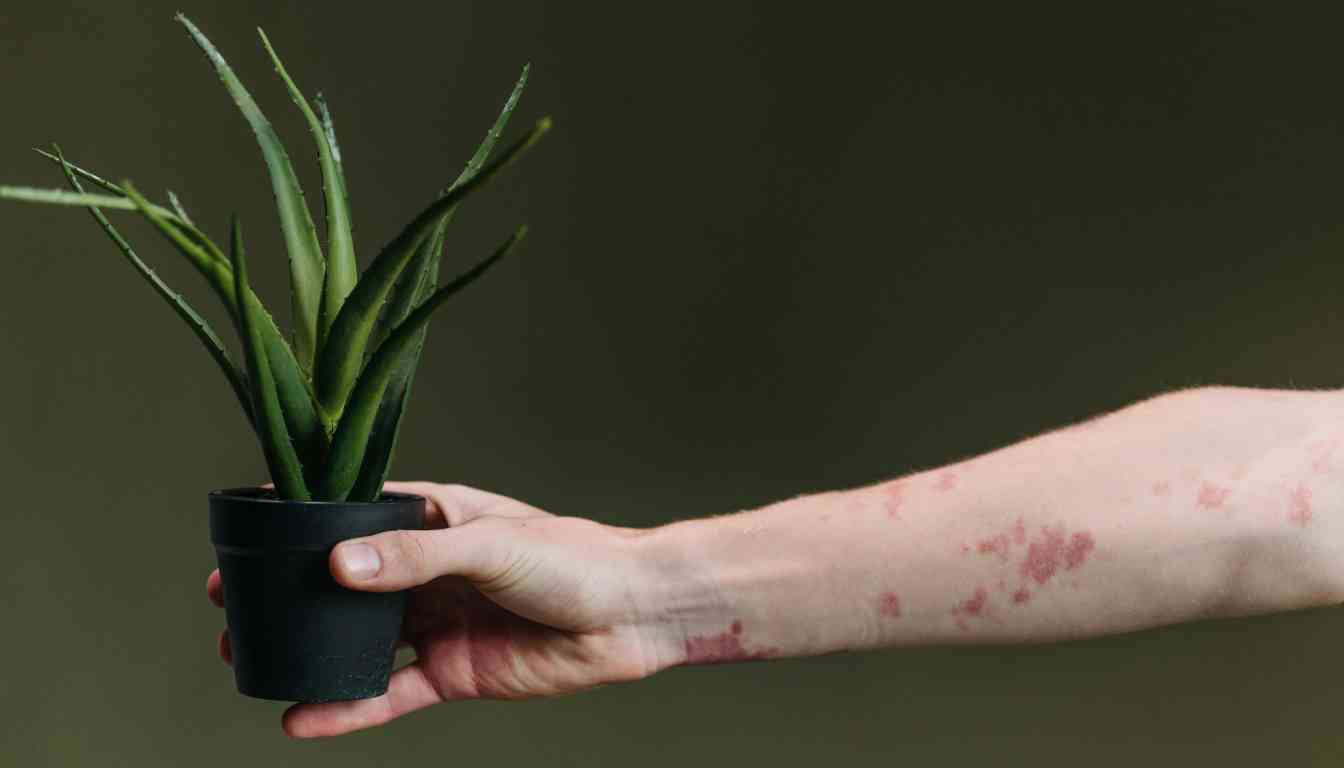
(296, 634)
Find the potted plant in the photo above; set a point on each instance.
(326, 403)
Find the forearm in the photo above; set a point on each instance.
(1204, 503)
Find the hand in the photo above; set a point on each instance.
(508, 602)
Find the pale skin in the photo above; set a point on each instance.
(1204, 503)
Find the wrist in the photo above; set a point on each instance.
(684, 609)
(748, 586)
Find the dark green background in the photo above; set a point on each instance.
(772, 251)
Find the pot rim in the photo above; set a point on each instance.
(266, 497)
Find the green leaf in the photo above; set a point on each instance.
(352, 434)
(306, 426)
(492, 136)
(342, 271)
(342, 354)
(208, 338)
(416, 283)
(78, 199)
(80, 172)
(286, 470)
(205, 256)
(178, 208)
(199, 249)
(386, 429)
(409, 288)
(406, 293)
(184, 225)
(305, 253)
(329, 128)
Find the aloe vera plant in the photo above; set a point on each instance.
(327, 401)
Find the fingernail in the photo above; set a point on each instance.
(359, 561)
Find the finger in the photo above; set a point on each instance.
(408, 690)
(225, 648)
(402, 559)
(452, 505)
(214, 588)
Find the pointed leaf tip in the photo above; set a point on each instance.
(184, 310)
(307, 264)
(341, 269)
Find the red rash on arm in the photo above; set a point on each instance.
(890, 605)
(997, 545)
(977, 552)
(1044, 556)
(975, 604)
(1080, 546)
(724, 647)
(1212, 496)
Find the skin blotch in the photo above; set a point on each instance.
(1080, 546)
(946, 481)
(1162, 488)
(1299, 505)
(997, 545)
(975, 604)
(1052, 550)
(889, 605)
(1044, 555)
(1212, 496)
(1001, 544)
(723, 648)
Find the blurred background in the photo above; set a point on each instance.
(772, 251)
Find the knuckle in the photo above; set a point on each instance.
(447, 499)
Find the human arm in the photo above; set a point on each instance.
(1205, 503)
(1213, 502)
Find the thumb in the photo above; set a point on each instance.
(401, 559)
